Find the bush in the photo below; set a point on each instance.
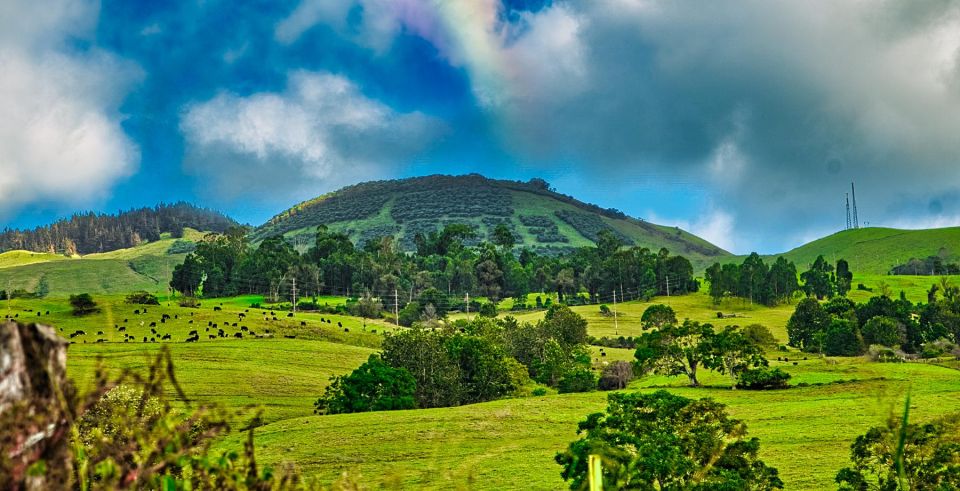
(409, 314)
(488, 309)
(759, 335)
(189, 302)
(936, 349)
(142, 298)
(578, 380)
(83, 304)
(182, 247)
(539, 391)
(763, 379)
(605, 311)
(616, 375)
(883, 354)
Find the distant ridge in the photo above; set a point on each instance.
(86, 233)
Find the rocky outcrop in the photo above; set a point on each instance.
(34, 402)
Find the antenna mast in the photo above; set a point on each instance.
(849, 223)
(853, 194)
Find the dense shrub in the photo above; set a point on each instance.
(579, 380)
(763, 378)
(142, 298)
(189, 302)
(759, 335)
(488, 309)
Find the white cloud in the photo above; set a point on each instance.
(61, 140)
(713, 224)
(320, 132)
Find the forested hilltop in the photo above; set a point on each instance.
(85, 233)
(538, 217)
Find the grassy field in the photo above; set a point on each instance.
(509, 444)
(805, 431)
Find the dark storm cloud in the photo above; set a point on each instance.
(773, 106)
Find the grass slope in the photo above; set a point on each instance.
(145, 267)
(876, 250)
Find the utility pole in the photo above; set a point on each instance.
(668, 285)
(294, 294)
(396, 307)
(616, 324)
(467, 301)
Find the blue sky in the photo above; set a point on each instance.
(743, 123)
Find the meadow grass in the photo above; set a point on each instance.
(805, 431)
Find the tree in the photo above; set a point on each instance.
(842, 338)
(43, 287)
(374, 386)
(657, 316)
(83, 304)
(660, 441)
(733, 353)
(483, 368)
(565, 325)
(816, 280)
(676, 350)
(490, 277)
(503, 237)
(884, 331)
(905, 457)
(844, 277)
(808, 319)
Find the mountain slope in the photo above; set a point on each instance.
(876, 250)
(539, 217)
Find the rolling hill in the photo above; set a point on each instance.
(145, 267)
(539, 217)
(876, 250)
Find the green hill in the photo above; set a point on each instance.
(876, 250)
(144, 267)
(539, 217)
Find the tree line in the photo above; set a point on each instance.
(777, 283)
(86, 233)
(443, 272)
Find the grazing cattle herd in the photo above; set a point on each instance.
(220, 324)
